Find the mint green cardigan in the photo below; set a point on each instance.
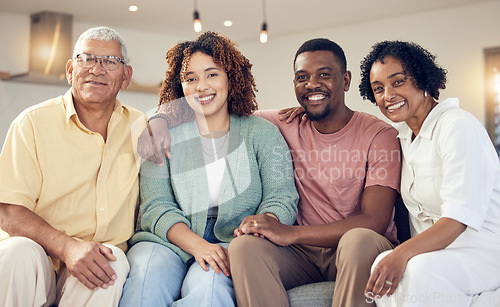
(258, 179)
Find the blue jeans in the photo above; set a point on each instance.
(159, 277)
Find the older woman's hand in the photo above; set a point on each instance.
(386, 276)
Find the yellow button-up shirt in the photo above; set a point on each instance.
(65, 173)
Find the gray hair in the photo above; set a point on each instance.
(104, 34)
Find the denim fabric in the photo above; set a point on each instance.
(158, 277)
(209, 231)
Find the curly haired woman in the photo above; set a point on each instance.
(225, 166)
(450, 184)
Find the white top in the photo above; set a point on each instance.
(214, 153)
(451, 170)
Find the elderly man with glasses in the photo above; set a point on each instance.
(69, 185)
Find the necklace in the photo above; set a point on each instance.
(213, 149)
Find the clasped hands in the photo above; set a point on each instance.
(266, 226)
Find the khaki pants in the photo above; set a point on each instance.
(262, 271)
(27, 278)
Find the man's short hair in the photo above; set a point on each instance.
(104, 34)
(319, 44)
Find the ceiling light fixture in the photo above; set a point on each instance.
(228, 23)
(133, 8)
(196, 15)
(263, 32)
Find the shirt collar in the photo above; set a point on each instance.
(120, 108)
(430, 121)
(68, 105)
(404, 132)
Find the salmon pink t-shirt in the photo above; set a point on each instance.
(332, 170)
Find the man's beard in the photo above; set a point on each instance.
(318, 115)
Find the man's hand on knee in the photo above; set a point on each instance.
(88, 262)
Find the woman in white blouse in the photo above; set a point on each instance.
(450, 184)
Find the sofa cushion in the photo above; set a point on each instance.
(316, 294)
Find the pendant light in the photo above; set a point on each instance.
(263, 32)
(196, 15)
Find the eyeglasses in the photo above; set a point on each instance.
(108, 62)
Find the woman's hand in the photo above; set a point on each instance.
(386, 276)
(388, 272)
(214, 255)
(204, 252)
(289, 114)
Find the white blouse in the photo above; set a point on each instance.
(450, 169)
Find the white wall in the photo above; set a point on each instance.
(458, 37)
